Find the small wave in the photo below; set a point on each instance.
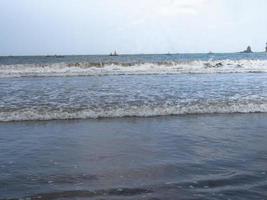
(112, 68)
(132, 111)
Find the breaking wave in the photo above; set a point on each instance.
(113, 68)
(132, 111)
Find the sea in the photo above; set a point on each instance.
(130, 127)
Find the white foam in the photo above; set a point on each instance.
(134, 111)
(89, 69)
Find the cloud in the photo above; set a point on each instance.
(170, 8)
(163, 8)
(134, 14)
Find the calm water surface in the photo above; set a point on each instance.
(186, 157)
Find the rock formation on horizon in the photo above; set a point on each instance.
(248, 50)
(266, 48)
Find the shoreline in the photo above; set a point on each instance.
(108, 119)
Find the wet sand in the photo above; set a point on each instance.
(176, 157)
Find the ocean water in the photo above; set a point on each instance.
(79, 87)
(183, 126)
(132, 65)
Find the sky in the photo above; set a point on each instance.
(75, 27)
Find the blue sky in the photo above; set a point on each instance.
(40, 27)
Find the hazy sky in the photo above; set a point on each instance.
(35, 27)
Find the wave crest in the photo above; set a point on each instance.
(133, 111)
(112, 68)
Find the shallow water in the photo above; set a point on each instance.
(180, 157)
(50, 98)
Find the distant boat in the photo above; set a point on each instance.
(114, 54)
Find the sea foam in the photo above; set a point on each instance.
(133, 111)
(100, 69)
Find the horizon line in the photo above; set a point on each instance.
(124, 54)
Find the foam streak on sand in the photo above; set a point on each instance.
(111, 68)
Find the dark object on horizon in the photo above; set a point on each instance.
(59, 56)
(56, 56)
(114, 54)
(210, 52)
(248, 50)
(266, 48)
